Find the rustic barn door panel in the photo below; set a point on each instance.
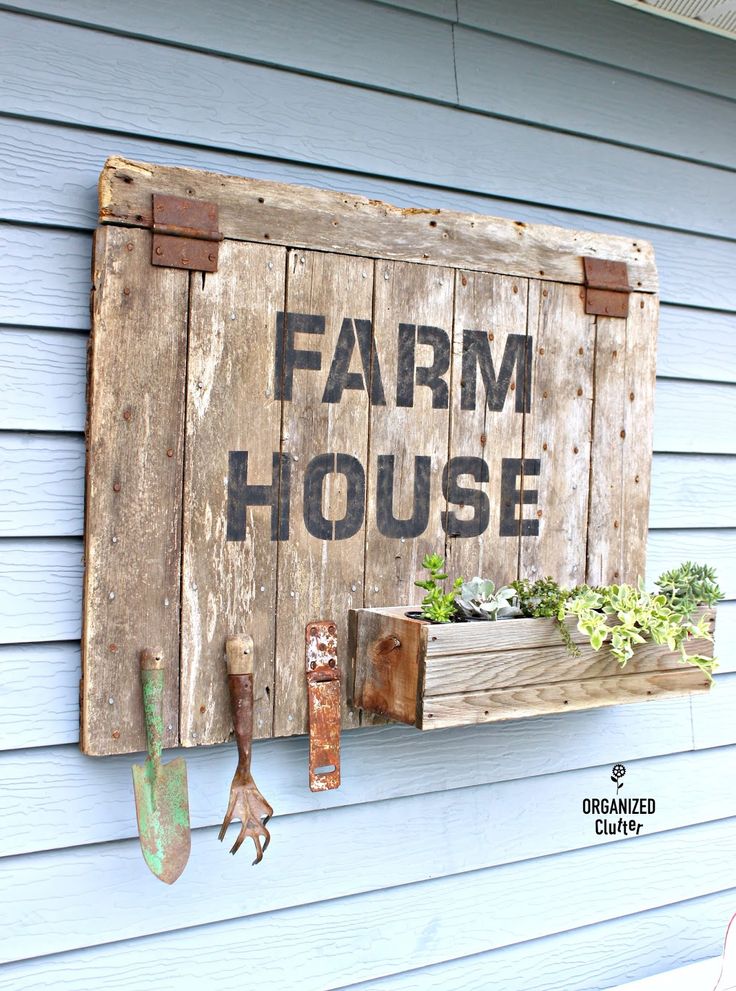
(283, 439)
(326, 355)
(134, 488)
(229, 582)
(490, 359)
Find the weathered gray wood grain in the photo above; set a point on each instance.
(690, 417)
(659, 116)
(146, 97)
(603, 32)
(40, 590)
(41, 485)
(389, 857)
(378, 47)
(42, 380)
(586, 886)
(39, 698)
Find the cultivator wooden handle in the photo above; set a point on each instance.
(246, 802)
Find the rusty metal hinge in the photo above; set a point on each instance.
(606, 287)
(185, 233)
(323, 689)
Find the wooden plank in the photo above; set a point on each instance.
(387, 654)
(386, 48)
(229, 564)
(557, 435)
(614, 36)
(254, 210)
(695, 344)
(624, 378)
(497, 307)
(465, 672)
(42, 380)
(587, 887)
(40, 590)
(134, 486)
(418, 297)
(325, 436)
(670, 119)
(41, 485)
(689, 417)
(441, 711)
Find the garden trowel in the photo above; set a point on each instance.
(161, 796)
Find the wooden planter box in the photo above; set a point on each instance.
(435, 676)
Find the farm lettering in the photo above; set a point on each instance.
(354, 347)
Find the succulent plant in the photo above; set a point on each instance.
(689, 586)
(478, 598)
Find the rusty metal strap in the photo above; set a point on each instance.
(323, 691)
(606, 287)
(185, 233)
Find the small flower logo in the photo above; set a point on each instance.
(617, 773)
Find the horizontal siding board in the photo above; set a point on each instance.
(392, 843)
(39, 699)
(693, 491)
(44, 280)
(547, 88)
(489, 908)
(638, 945)
(605, 32)
(713, 721)
(668, 548)
(386, 48)
(410, 763)
(692, 417)
(696, 344)
(59, 72)
(42, 379)
(394, 50)
(40, 590)
(41, 485)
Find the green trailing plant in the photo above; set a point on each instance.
(545, 598)
(479, 599)
(689, 586)
(438, 606)
(627, 615)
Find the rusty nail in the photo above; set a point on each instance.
(491, 336)
(615, 524)
(631, 396)
(541, 350)
(113, 647)
(580, 392)
(463, 280)
(211, 257)
(332, 662)
(116, 486)
(623, 434)
(170, 452)
(126, 291)
(581, 351)
(159, 250)
(514, 288)
(116, 734)
(539, 513)
(129, 246)
(203, 708)
(312, 665)
(483, 440)
(544, 447)
(636, 479)
(544, 394)
(313, 631)
(545, 292)
(574, 450)
(127, 414)
(184, 260)
(331, 630)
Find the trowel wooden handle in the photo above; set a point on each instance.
(239, 655)
(152, 659)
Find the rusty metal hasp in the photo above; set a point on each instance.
(323, 691)
(161, 793)
(246, 801)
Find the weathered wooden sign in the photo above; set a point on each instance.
(295, 394)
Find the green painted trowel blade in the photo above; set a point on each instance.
(162, 807)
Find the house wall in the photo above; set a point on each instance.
(453, 860)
